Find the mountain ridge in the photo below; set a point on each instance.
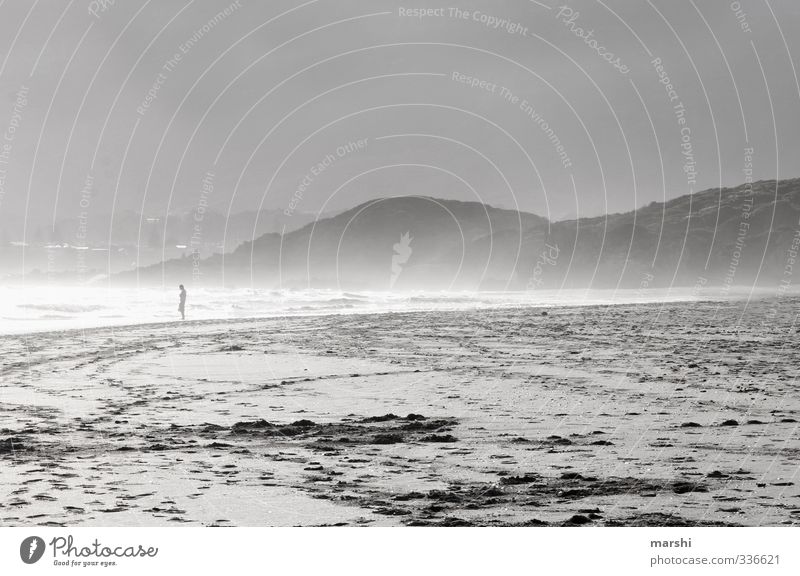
(724, 236)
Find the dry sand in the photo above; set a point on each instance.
(677, 414)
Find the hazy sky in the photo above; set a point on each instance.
(571, 114)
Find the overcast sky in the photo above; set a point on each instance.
(571, 116)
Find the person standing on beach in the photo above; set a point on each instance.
(182, 305)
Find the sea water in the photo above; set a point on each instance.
(47, 308)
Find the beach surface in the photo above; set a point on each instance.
(633, 415)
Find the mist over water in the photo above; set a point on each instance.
(48, 308)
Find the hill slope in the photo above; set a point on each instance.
(716, 237)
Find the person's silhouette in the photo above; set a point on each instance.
(182, 305)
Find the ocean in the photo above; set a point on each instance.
(49, 308)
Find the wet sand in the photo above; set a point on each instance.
(675, 414)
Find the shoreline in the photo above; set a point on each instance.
(360, 313)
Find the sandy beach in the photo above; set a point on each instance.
(673, 414)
